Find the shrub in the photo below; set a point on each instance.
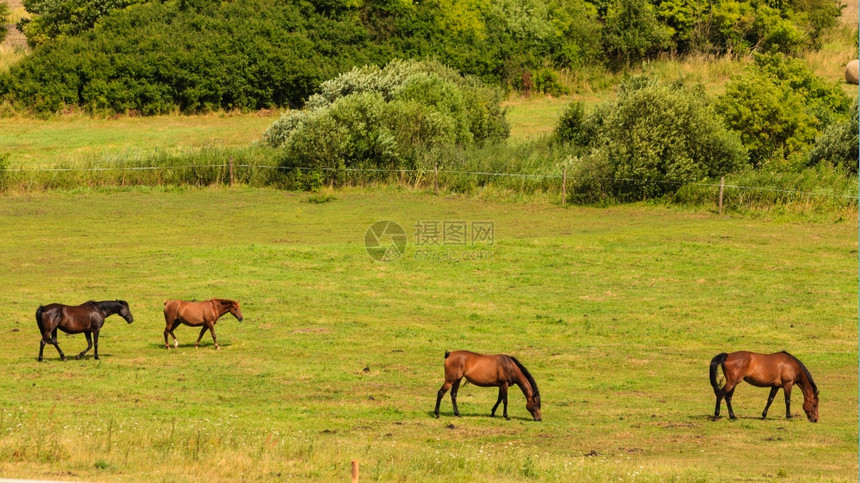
(655, 137)
(632, 33)
(570, 128)
(838, 145)
(4, 19)
(388, 118)
(161, 57)
(778, 106)
(52, 18)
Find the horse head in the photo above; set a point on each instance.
(533, 405)
(236, 310)
(124, 311)
(810, 407)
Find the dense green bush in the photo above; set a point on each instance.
(652, 139)
(159, 57)
(838, 144)
(4, 19)
(778, 107)
(52, 18)
(389, 118)
(154, 56)
(632, 33)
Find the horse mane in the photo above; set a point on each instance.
(117, 301)
(805, 371)
(527, 374)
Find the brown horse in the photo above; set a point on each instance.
(88, 318)
(779, 370)
(488, 371)
(196, 314)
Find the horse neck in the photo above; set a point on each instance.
(222, 306)
(805, 385)
(109, 307)
(523, 382)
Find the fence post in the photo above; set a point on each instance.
(231, 171)
(563, 186)
(436, 178)
(722, 187)
(354, 471)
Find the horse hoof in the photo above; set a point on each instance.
(96, 357)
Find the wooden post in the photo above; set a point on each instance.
(436, 178)
(722, 187)
(563, 186)
(354, 471)
(231, 171)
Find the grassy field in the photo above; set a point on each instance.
(75, 140)
(616, 312)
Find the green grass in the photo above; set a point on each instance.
(615, 311)
(82, 140)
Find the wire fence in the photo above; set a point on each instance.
(436, 172)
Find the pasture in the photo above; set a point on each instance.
(615, 311)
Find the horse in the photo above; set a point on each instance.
(488, 371)
(197, 314)
(779, 370)
(88, 318)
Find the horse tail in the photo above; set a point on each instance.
(527, 374)
(717, 362)
(447, 354)
(39, 319)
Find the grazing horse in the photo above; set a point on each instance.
(488, 371)
(196, 314)
(87, 318)
(779, 370)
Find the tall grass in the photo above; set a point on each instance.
(813, 191)
(530, 170)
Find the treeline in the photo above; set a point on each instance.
(151, 57)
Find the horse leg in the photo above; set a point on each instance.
(720, 395)
(96, 344)
(89, 345)
(202, 331)
(454, 389)
(499, 401)
(41, 348)
(212, 331)
(729, 395)
(172, 328)
(439, 395)
(54, 341)
(505, 389)
(769, 400)
(167, 330)
(787, 390)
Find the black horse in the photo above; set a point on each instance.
(88, 318)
